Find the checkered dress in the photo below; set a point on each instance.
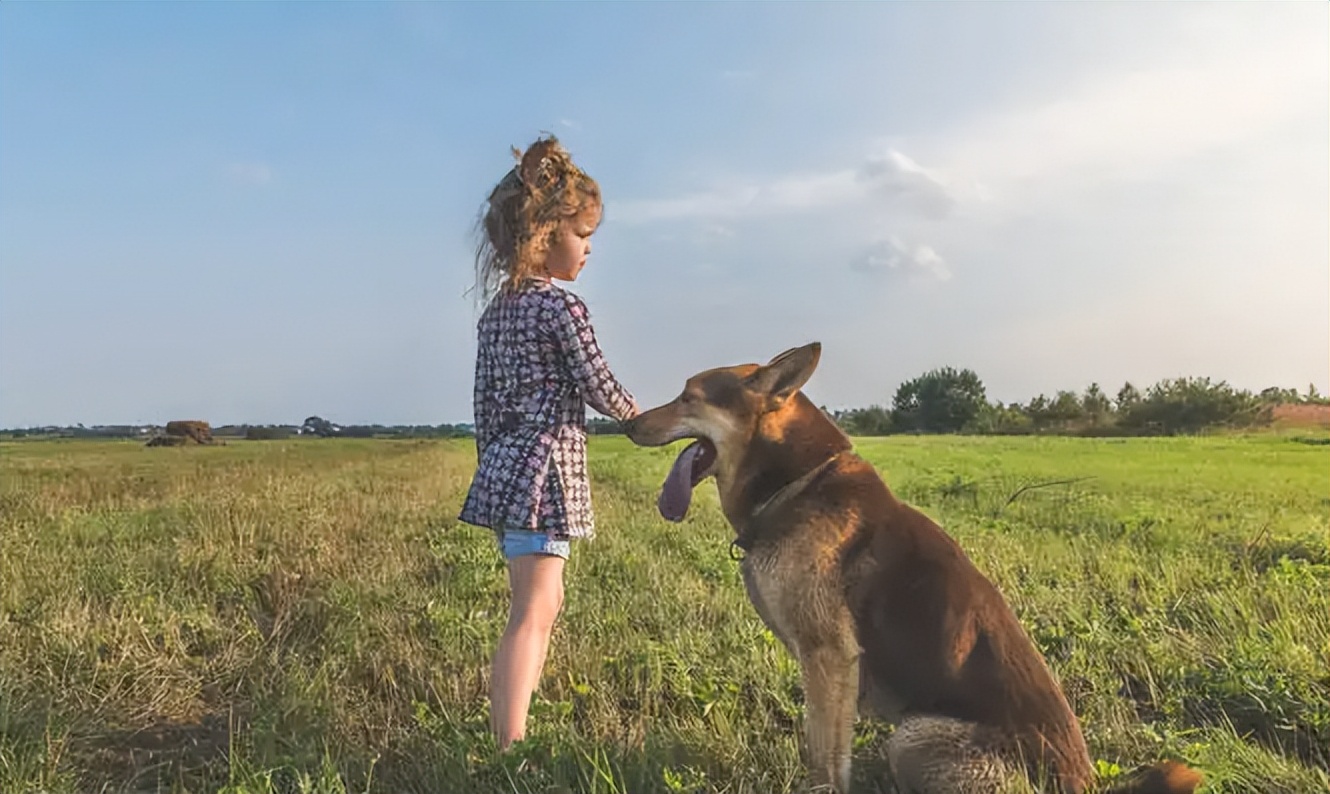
(537, 368)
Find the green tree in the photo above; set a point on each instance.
(1187, 405)
(1096, 405)
(997, 419)
(1039, 410)
(1128, 396)
(940, 401)
(1066, 408)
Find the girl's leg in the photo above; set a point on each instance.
(536, 581)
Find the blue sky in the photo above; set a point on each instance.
(256, 212)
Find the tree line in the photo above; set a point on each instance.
(313, 426)
(944, 400)
(949, 400)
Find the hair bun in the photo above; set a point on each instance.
(543, 163)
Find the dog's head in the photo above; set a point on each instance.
(723, 410)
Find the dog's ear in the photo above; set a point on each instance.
(787, 372)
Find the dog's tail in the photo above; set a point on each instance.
(1165, 777)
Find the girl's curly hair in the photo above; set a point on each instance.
(523, 214)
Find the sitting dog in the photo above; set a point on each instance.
(882, 609)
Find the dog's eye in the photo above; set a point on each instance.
(687, 397)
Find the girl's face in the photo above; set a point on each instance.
(572, 245)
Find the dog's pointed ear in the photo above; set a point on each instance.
(787, 372)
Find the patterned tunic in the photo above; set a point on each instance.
(537, 368)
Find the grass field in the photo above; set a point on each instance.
(307, 616)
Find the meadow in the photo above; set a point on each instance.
(308, 616)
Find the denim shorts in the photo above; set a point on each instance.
(520, 542)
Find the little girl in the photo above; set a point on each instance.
(537, 368)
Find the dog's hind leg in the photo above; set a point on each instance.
(831, 688)
(940, 755)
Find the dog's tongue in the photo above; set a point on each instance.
(677, 493)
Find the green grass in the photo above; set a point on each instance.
(307, 616)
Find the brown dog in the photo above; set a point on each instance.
(882, 609)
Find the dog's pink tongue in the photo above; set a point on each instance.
(677, 493)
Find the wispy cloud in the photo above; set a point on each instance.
(899, 179)
(249, 173)
(1117, 124)
(891, 177)
(570, 124)
(892, 256)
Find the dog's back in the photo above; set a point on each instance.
(939, 640)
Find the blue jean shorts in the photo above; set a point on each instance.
(520, 542)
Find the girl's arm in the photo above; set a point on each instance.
(577, 339)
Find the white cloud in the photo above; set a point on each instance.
(249, 173)
(570, 124)
(890, 255)
(1118, 124)
(892, 176)
(902, 180)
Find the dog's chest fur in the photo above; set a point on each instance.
(796, 583)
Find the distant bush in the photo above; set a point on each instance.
(999, 420)
(871, 421)
(318, 426)
(601, 426)
(1188, 405)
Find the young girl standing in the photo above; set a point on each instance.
(537, 368)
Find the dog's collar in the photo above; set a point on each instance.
(744, 540)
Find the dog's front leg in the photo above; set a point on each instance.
(831, 687)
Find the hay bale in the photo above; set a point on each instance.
(200, 432)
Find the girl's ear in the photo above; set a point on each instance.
(783, 375)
